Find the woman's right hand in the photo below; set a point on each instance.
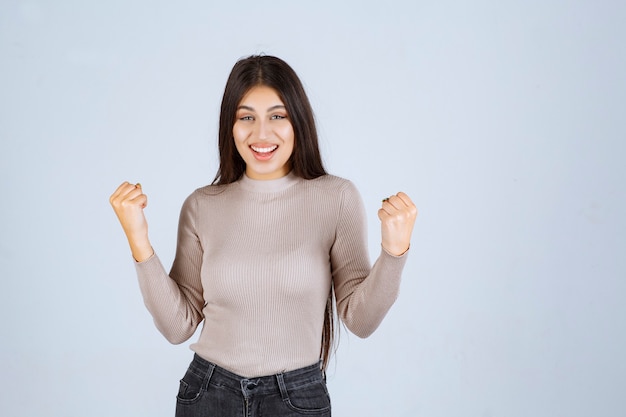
(128, 202)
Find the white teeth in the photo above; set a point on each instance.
(264, 150)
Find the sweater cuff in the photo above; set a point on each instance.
(145, 260)
(151, 267)
(404, 255)
(393, 264)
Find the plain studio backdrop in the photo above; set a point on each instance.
(504, 121)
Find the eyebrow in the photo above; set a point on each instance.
(278, 106)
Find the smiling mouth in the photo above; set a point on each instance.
(264, 150)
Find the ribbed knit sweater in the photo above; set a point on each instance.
(256, 259)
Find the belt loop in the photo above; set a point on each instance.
(207, 376)
(281, 385)
(323, 370)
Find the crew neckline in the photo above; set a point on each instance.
(269, 186)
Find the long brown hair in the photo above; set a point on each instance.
(305, 160)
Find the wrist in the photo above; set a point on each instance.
(141, 249)
(142, 255)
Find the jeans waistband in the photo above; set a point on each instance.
(282, 382)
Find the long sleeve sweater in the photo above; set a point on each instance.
(256, 260)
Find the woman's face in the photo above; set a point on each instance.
(263, 134)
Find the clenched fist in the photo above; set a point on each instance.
(397, 216)
(128, 202)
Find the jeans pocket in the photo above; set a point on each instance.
(312, 399)
(190, 389)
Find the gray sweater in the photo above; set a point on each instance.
(255, 260)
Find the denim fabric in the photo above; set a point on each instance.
(207, 390)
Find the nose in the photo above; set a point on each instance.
(262, 129)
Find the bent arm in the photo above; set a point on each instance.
(175, 300)
(364, 293)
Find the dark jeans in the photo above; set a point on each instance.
(207, 390)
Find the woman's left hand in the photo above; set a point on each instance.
(397, 216)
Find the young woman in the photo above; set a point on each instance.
(260, 254)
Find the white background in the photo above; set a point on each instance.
(503, 120)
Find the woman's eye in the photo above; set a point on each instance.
(245, 118)
(278, 117)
